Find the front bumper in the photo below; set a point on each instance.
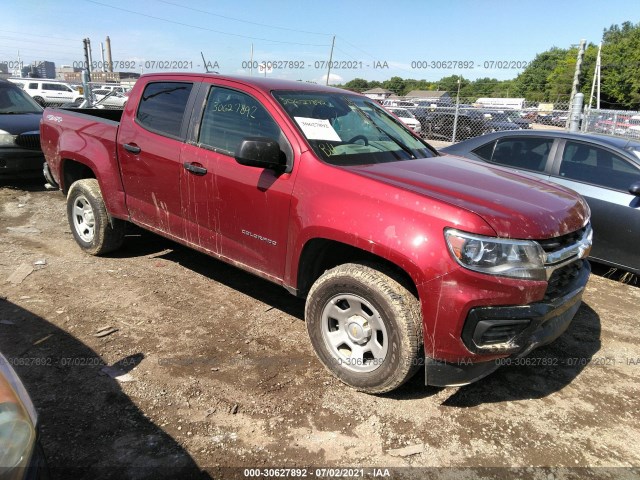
(18, 160)
(514, 331)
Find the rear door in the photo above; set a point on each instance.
(149, 148)
(603, 177)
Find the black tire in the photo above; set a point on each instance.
(392, 304)
(39, 101)
(94, 231)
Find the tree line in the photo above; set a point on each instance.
(549, 76)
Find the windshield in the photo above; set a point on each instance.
(13, 101)
(635, 151)
(345, 129)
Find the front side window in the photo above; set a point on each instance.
(33, 86)
(598, 166)
(230, 116)
(345, 129)
(528, 153)
(162, 107)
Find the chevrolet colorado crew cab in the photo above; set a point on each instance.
(406, 258)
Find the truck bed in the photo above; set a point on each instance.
(107, 114)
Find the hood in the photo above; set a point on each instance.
(515, 206)
(19, 123)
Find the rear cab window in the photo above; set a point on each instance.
(162, 106)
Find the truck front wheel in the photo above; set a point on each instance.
(365, 327)
(90, 224)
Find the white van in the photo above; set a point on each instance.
(48, 92)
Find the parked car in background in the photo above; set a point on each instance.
(439, 123)
(497, 121)
(519, 118)
(109, 98)
(49, 92)
(406, 117)
(398, 103)
(20, 116)
(21, 456)
(114, 88)
(604, 169)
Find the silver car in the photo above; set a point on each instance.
(604, 169)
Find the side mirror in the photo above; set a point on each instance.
(634, 189)
(261, 152)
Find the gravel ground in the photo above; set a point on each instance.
(159, 362)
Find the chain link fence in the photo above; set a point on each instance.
(449, 121)
(622, 123)
(51, 93)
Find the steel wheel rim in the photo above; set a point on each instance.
(354, 333)
(83, 219)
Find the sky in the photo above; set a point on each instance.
(374, 39)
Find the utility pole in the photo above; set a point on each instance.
(333, 42)
(576, 78)
(596, 80)
(85, 43)
(104, 66)
(455, 117)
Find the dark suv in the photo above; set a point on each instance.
(471, 122)
(20, 116)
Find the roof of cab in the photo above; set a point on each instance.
(261, 83)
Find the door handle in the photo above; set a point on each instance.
(196, 169)
(132, 148)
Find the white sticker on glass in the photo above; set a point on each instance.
(317, 129)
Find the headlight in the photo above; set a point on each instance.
(497, 256)
(17, 432)
(6, 139)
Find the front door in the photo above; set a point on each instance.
(241, 213)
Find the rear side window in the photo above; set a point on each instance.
(162, 107)
(598, 166)
(527, 153)
(33, 86)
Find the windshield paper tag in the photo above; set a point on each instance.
(317, 129)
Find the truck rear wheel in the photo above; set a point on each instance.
(365, 327)
(90, 224)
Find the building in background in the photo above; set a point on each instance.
(64, 69)
(379, 94)
(39, 69)
(102, 77)
(4, 70)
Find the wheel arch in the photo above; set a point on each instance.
(321, 254)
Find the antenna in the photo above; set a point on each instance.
(206, 67)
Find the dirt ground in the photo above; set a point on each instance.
(211, 368)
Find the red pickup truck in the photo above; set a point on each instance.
(406, 258)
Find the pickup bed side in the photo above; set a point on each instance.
(82, 144)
